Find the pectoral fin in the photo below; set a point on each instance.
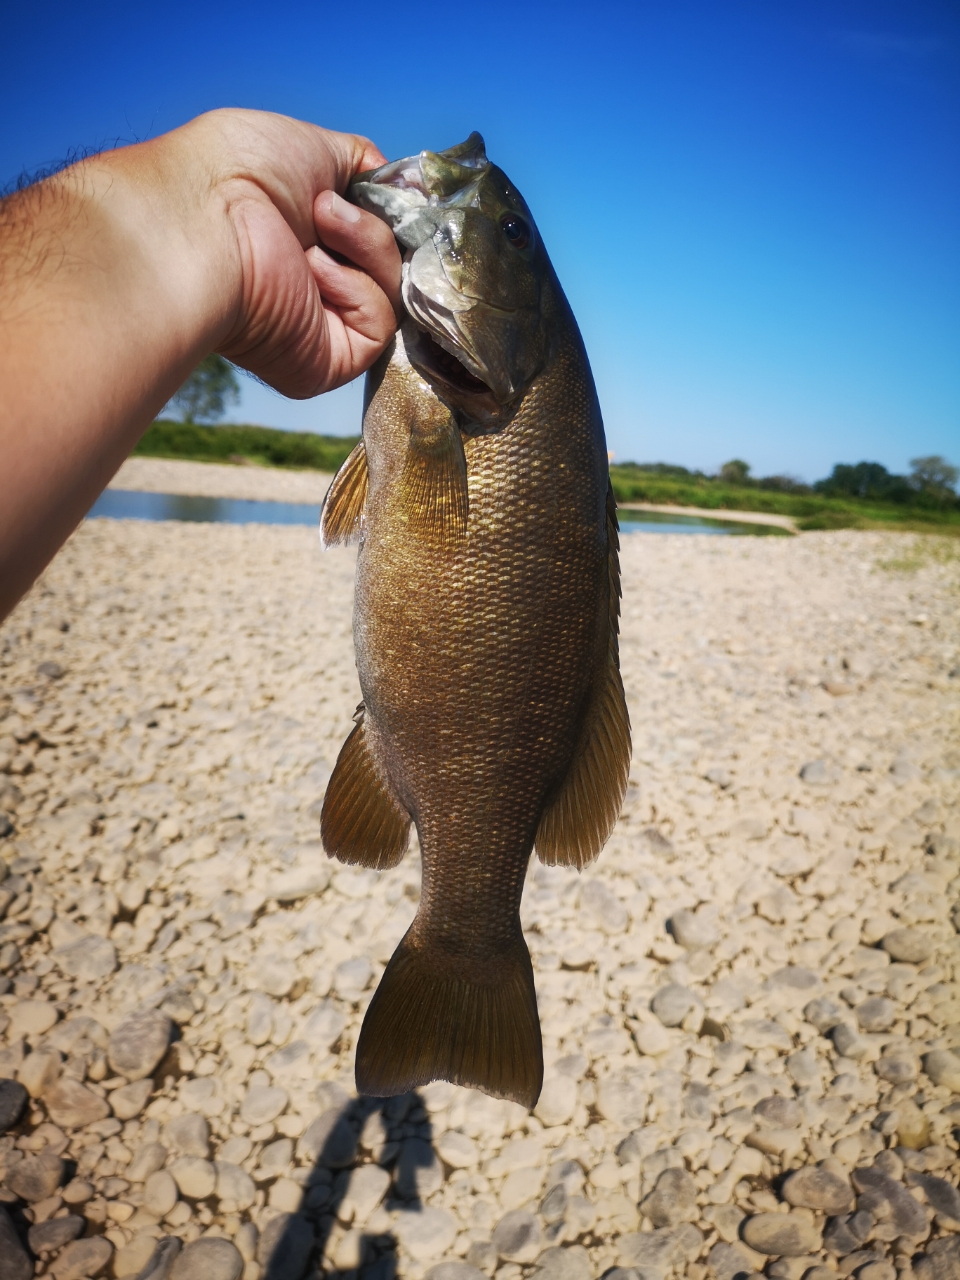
(362, 821)
(342, 513)
(582, 814)
(432, 488)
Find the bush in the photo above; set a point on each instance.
(166, 439)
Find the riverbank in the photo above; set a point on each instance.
(758, 976)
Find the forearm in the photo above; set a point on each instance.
(115, 279)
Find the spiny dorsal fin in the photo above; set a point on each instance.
(581, 816)
(362, 821)
(432, 488)
(342, 512)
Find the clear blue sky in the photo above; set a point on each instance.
(754, 207)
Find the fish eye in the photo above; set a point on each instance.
(516, 230)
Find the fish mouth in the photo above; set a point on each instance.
(444, 366)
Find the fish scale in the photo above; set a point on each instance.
(485, 628)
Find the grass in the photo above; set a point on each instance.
(923, 551)
(811, 511)
(261, 445)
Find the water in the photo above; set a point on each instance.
(124, 504)
(659, 522)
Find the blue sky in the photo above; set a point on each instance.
(754, 207)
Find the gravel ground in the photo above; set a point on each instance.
(749, 1005)
(211, 480)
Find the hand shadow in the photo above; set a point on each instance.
(389, 1134)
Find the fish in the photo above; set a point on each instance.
(486, 622)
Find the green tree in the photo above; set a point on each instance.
(207, 392)
(736, 471)
(935, 478)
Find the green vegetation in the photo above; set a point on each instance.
(865, 496)
(260, 445)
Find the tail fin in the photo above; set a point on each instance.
(424, 1024)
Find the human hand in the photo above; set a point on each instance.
(303, 320)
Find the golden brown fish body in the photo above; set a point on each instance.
(485, 629)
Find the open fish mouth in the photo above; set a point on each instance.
(401, 191)
(424, 199)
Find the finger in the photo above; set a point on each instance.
(354, 297)
(362, 238)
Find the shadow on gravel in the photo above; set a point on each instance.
(350, 1138)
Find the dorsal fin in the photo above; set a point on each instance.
(582, 814)
(341, 516)
(362, 821)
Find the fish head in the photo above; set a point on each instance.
(474, 271)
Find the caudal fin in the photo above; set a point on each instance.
(423, 1025)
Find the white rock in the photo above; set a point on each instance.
(160, 1193)
(31, 1018)
(557, 1101)
(427, 1233)
(459, 1151)
(234, 1184)
(366, 1187)
(195, 1177)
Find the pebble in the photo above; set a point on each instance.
(912, 945)
(557, 1101)
(130, 1099)
(83, 1259)
(780, 1234)
(693, 931)
(673, 1200)
(284, 1245)
(147, 1159)
(234, 1184)
(36, 1177)
(943, 1196)
(819, 1189)
(188, 1134)
(16, 1261)
(88, 959)
(454, 1271)
(426, 1233)
(906, 1214)
(263, 1103)
(139, 1042)
(824, 1013)
(195, 1177)
(211, 1258)
(31, 1018)
(876, 1014)
(943, 1068)
(899, 1067)
(516, 1236)
(72, 1105)
(673, 1003)
(47, 1237)
(13, 1099)
(160, 1193)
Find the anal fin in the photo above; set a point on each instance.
(362, 821)
(342, 513)
(582, 814)
(432, 487)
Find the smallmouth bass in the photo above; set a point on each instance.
(485, 622)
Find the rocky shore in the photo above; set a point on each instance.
(749, 1005)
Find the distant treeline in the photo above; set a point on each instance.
(862, 495)
(263, 445)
